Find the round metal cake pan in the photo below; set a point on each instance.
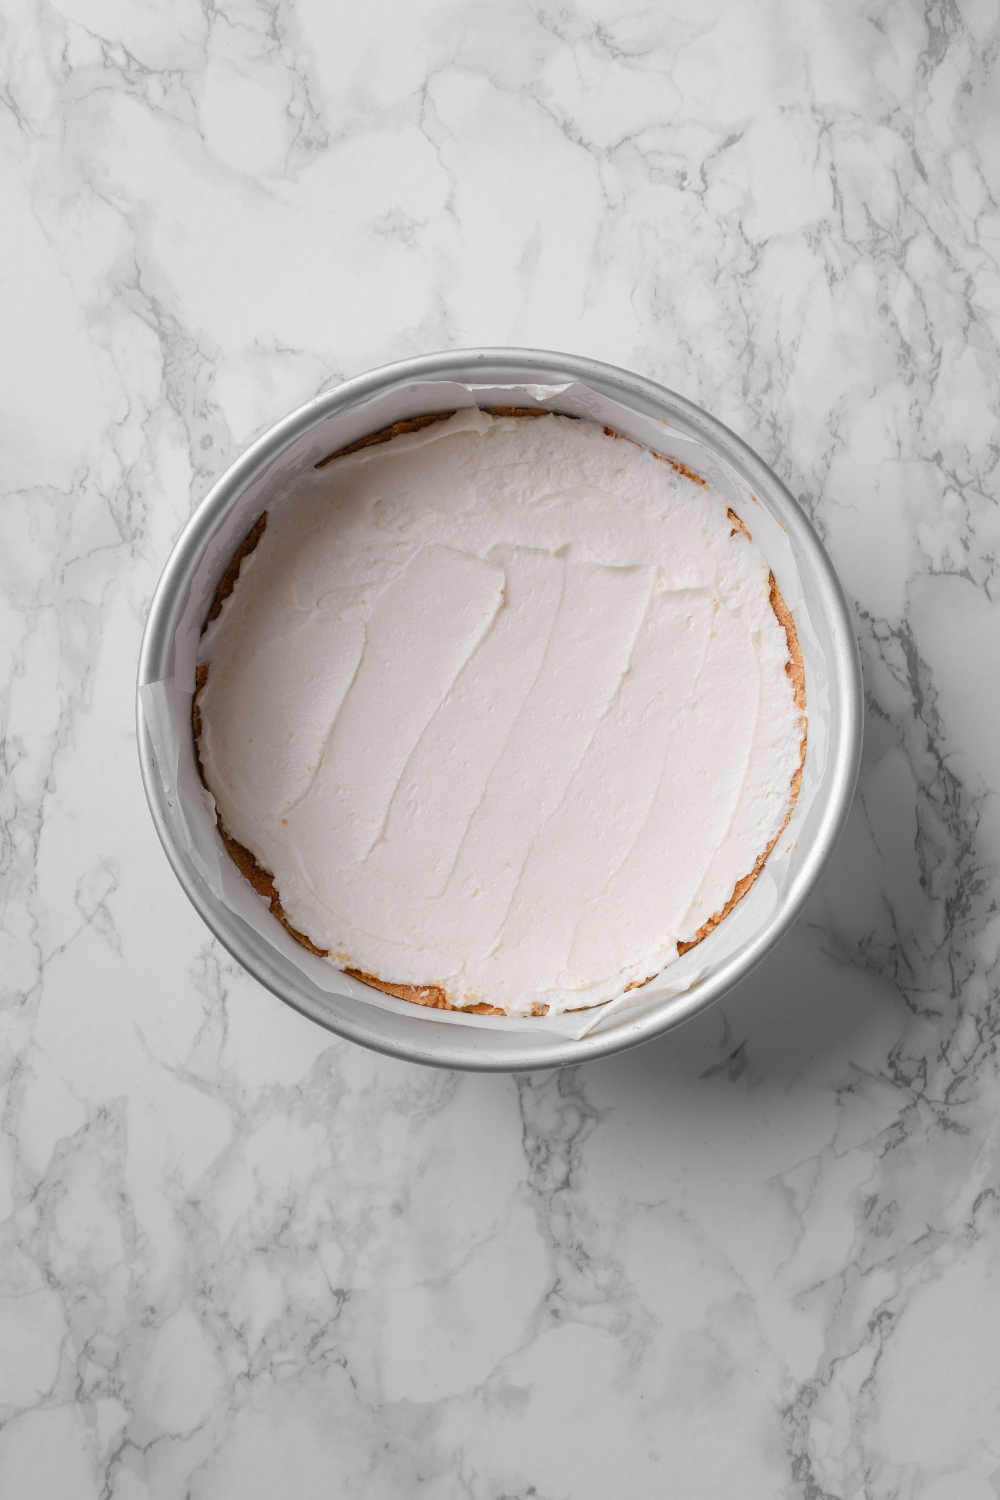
(420, 1038)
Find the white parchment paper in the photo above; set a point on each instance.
(167, 704)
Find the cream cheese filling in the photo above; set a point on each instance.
(503, 706)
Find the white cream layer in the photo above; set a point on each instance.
(502, 705)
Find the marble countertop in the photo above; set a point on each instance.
(757, 1258)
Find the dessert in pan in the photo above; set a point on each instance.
(500, 710)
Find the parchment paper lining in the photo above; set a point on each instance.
(167, 703)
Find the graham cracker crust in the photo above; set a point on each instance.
(263, 883)
(414, 424)
(230, 577)
(430, 995)
(674, 463)
(795, 668)
(433, 996)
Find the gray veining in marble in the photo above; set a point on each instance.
(758, 1258)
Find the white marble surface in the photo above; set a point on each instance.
(758, 1258)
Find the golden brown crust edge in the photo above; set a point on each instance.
(434, 996)
(677, 467)
(230, 577)
(415, 424)
(412, 424)
(431, 995)
(795, 667)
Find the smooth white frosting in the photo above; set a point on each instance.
(502, 705)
